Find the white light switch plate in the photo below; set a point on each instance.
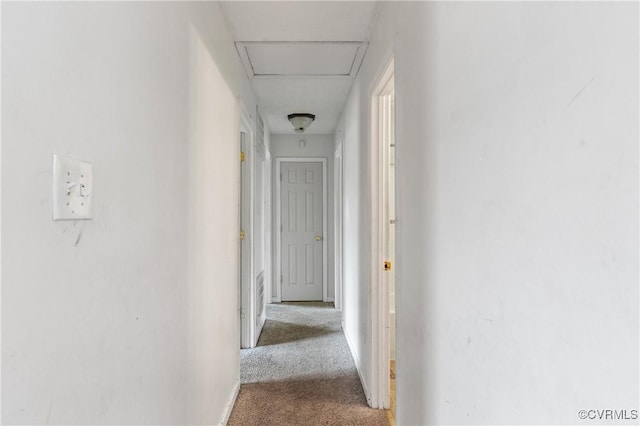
(72, 188)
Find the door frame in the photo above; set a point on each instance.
(380, 351)
(278, 223)
(337, 224)
(247, 289)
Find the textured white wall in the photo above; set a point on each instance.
(129, 318)
(517, 144)
(315, 146)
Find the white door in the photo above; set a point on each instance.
(301, 218)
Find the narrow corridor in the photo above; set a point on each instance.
(509, 243)
(302, 372)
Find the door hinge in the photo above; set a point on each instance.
(241, 313)
(241, 235)
(241, 156)
(387, 265)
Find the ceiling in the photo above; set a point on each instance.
(301, 56)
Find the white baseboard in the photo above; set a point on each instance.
(230, 403)
(356, 360)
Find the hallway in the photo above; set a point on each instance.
(516, 214)
(301, 372)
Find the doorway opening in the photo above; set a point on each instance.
(253, 220)
(383, 232)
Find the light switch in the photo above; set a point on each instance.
(72, 188)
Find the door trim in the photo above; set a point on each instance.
(278, 222)
(380, 356)
(337, 224)
(247, 320)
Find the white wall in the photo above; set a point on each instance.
(129, 318)
(356, 234)
(315, 146)
(517, 157)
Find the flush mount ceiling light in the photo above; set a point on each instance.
(301, 121)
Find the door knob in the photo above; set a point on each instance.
(318, 238)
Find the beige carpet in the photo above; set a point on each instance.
(301, 373)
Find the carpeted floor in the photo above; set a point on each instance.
(301, 372)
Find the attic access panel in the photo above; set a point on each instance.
(291, 59)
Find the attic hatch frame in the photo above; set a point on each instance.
(243, 53)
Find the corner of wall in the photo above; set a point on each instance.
(230, 403)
